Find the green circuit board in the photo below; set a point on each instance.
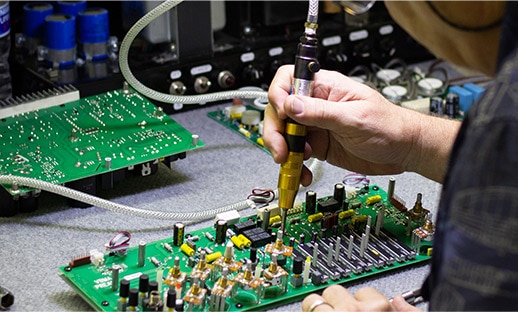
(254, 265)
(233, 121)
(72, 140)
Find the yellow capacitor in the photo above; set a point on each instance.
(315, 217)
(429, 251)
(186, 249)
(275, 219)
(237, 242)
(260, 141)
(245, 240)
(373, 199)
(213, 256)
(346, 214)
(236, 115)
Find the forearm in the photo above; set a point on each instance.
(432, 146)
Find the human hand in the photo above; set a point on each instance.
(338, 298)
(352, 126)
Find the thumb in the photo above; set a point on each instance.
(313, 111)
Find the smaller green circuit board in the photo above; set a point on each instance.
(88, 137)
(339, 243)
(233, 121)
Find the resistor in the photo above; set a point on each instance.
(155, 261)
(209, 236)
(193, 238)
(315, 217)
(244, 132)
(208, 251)
(295, 220)
(168, 247)
(230, 233)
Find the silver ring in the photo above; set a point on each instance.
(317, 303)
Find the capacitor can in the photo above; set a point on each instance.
(178, 233)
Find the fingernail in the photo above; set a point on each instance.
(297, 107)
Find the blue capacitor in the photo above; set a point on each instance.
(93, 25)
(60, 32)
(71, 7)
(34, 15)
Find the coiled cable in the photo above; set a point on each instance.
(164, 97)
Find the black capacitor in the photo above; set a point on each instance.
(292, 241)
(334, 230)
(124, 287)
(314, 236)
(452, 105)
(436, 106)
(253, 254)
(221, 231)
(133, 297)
(339, 194)
(298, 265)
(153, 286)
(178, 306)
(273, 236)
(311, 202)
(302, 238)
(143, 283)
(171, 298)
(178, 233)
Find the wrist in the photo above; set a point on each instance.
(433, 139)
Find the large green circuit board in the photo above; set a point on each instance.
(71, 140)
(401, 239)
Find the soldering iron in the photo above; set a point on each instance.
(306, 65)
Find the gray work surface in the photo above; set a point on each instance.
(34, 245)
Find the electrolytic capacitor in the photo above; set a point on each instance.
(171, 298)
(298, 265)
(253, 254)
(221, 231)
(178, 233)
(436, 106)
(452, 105)
(60, 39)
(133, 298)
(339, 194)
(311, 202)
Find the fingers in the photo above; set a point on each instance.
(338, 298)
(316, 303)
(400, 304)
(280, 88)
(273, 135)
